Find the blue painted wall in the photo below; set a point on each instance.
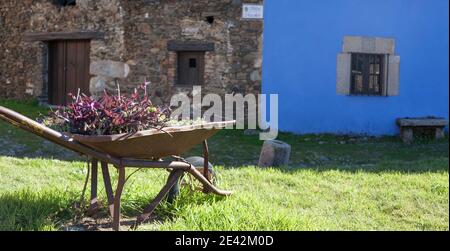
(303, 37)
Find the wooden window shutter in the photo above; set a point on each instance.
(343, 74)
(191, 68)
(393, 79)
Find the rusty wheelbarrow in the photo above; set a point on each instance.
(143, 149)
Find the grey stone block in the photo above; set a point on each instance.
(424, 122)
(440, 133)
(393, 84)
(385, 46)
(407, 135)
(274, 153)
(97, 85)
(352, 44)
(343, 74)
(108, 68)
(361, 44)
(255, 76)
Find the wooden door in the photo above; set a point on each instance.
(191, 68)
(68, 70)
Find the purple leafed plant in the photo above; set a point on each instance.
(109, 115)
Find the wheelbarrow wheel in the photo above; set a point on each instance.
(198, 163)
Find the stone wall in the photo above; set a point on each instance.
(136, 37)
(234, 65)
(22, 63)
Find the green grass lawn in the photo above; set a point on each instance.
(333, 183)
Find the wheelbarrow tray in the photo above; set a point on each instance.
(154, 143)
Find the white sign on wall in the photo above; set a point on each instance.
(252, 11)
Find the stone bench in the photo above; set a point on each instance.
(407, 126)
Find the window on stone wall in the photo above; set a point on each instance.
(191, 68)
(191, 60)
(368, 66)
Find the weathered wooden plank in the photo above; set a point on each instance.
(51, 36)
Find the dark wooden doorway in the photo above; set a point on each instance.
(191, 67)
(68, 69)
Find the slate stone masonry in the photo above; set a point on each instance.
(137, 35)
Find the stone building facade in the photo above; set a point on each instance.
(130, 42)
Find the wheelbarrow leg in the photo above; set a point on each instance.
(93, 204)
(119, 189)
(108, 188)
(206, 160)
(173, 178)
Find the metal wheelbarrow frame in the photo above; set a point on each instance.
(117, 151)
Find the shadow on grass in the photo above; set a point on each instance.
(30, 211)
(31, 146)
(54, 210)
(167, 212)
(164, 212)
